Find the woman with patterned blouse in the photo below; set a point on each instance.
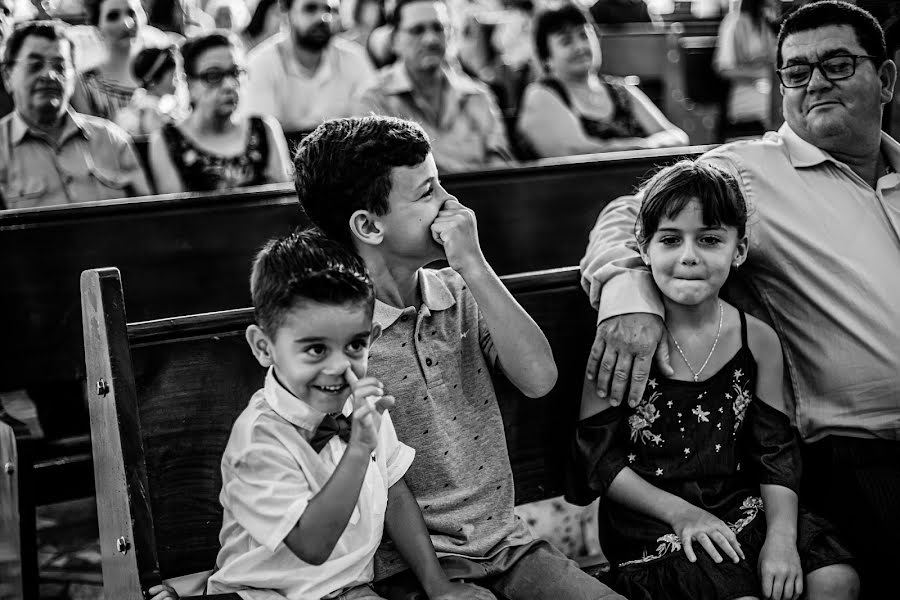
(216, 147)
(576, 110)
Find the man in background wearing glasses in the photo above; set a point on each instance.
(824, 269)
(50, 154)
(460, 116)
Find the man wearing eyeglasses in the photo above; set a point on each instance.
(824, 269)
(460, 115)
(305, 75)
(50, 154)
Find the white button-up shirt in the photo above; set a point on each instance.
(270, 473)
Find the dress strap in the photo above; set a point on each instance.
(743, 316)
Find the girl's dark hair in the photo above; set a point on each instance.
(553, 20)
(150, 64)
(672, 188)
(195, 46)
(258, 20)
(306, 266)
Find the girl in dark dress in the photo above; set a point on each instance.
(700, 479)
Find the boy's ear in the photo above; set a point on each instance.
(376, 332)
(259, 344)
(740, 251)
(366, 227)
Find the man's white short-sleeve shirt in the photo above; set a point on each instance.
(299, 100)
(269, 475)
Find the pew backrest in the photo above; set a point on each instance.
(188, 254)
(163, 395)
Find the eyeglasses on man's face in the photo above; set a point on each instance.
(215, 77)
(833, 68)
(36, 64)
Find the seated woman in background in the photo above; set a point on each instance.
(106, 88)
(745, 56)
(576, 110)
(215, 147)
(161, 97)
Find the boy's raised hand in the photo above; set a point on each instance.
(369, 403)
(456, 590)
(456, 229)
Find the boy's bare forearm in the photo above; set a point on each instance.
(405, 526)
(523, 350)
(320, 527)
(781, 510)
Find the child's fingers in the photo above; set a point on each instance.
(767, 585)
(350, 376)
(798, 586)
(384, 403)
(710, 548)
(363, 414)
(688, 548)
(726, 545)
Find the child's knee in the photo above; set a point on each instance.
(834, 581)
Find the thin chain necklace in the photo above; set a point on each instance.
(696, 374)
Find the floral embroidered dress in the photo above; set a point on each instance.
(202, 171)
(711, 443)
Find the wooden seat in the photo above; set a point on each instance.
(164, 394)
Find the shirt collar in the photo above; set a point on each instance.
(396, 81)
(435, 296)
(803, 154)
(73, 123)
(292, 67)
(292, 409)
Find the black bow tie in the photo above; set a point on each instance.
(328, 428)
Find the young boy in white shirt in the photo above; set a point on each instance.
(313, 471)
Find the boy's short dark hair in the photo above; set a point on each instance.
(555, 20)
(305, 266)
(833, 12)
(345, 165)
(672, 188)
(52, 30)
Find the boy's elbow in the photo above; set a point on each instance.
(542, 385)
(315, 555)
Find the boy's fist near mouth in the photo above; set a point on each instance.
(456, 229)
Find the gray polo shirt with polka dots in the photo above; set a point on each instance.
(436, 361)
